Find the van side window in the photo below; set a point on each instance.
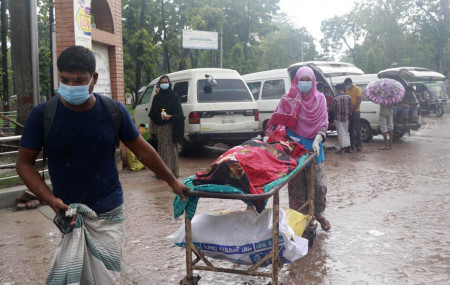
(273, 89)
(226, 90)
(181, 88)
(146, 97)
(363, 90)
(254, 87)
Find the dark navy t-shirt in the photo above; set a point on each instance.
(81, 153)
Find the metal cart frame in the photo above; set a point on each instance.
(309, 233)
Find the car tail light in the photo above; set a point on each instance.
(194, 118)
(256, 115)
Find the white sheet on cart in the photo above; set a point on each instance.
(242, 237)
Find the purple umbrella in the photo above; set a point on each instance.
(385, 91)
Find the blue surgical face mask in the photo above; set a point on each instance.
(164, 86)
(348, 87)
(75, 95)
(304, 86)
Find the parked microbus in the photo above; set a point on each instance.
(421, 79)
(369, 111)
(267, 88)
(429, 85)
(326, 69)
(217, 106)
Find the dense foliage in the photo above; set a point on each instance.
(374, 34)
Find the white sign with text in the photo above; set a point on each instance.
(200, 40)
(103, 85)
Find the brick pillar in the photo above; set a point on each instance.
(108, 32)
(65, 32)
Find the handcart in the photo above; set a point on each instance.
(309, 233)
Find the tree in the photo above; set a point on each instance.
(140, 48)
(4, 67)
(21, 57)
(341, 30)
(384, 32)
(205, 18)
(164, 39)
(431, 19)
(283, 47)
(393, 32)
(45, 49)
(138, 43)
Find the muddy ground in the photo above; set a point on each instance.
(389, 212)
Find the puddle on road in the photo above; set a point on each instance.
(388, 210)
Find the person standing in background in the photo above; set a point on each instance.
(386, 121)
(355, 123)
(412, 106)
(167, 123)
(320, 86)
(341, 107)
(328, 96)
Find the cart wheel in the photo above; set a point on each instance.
(193, 281)
(311, 237)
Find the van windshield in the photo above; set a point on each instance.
(226, 90)
(438, 89)
(146, 97)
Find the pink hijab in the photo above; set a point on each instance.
(304, 113)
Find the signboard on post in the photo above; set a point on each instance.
(103, 85)
(200, 40)
(82, 25)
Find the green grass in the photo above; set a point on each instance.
(130, 110)
(6, 183)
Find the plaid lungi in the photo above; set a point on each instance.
(92, 252)
(342, 130)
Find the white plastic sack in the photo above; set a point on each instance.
(242, 237)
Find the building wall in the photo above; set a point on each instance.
(108, 31)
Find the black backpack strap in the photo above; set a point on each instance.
(115, 113)
(49, 115)
(47, 121)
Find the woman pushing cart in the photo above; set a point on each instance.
(303, 111)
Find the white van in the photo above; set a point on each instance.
(326, 69)
(369, 111)
(413, 76)
(267, 88)
(217, 105)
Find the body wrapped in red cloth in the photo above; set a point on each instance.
(253, 164)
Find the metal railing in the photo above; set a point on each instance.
(8, 160)
(7, 127)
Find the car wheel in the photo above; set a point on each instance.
(366, 131)
(264, 125)
(398, 135)
(189, 148)
(439, 111)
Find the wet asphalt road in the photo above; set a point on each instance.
(389, 212)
